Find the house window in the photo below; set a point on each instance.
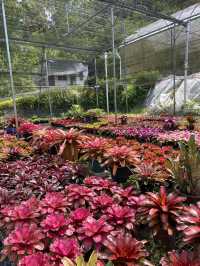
(51, 81)
(81, 76)
(73, 79)
(64, 77)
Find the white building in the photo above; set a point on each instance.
(65, 73)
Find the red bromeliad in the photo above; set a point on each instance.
(54, 202)
(121, 217)
(94, 232)
(185, 258)
(27, 210)
(124, 250)
(161, 210)
(37, 259)
(64, 247)
(54, 225)
(189, 223)
(101, 202)
(79, 196)
(120, 156)
(25, 239)
(79, 215)
(94, 148)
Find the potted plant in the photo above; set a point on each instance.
(124, 120)
(93, 150)
(69, 148)
(190, 122)
(186, 169)
(119, 159)
(170, 124)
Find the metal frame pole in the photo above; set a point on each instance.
(120, 64)
(114, 63)
(125, 70)
(173, 47)
(47, 82)
(106, 76)
(186, 65)
(9, 63)
(96, 87)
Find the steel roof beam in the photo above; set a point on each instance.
(143, 11)
(49, 45)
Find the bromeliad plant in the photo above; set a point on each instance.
(11, 148)
(94, 148)
(120, 156)
(189, 224)
(65, 143)
(162, 211)
(184, 258)
(186, 168)
(124, 250)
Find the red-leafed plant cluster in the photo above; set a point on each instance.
(27, 128)
(11, 148)
(69, 222)
(37, 176)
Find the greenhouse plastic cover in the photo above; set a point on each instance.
(161, 97)
(188, 13)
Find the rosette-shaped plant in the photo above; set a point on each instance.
(123, 195)
(189, 223)
(53, 202)
(185, 258)
(25, 239)
(93, 148)
(64, 247)
(69, 148)
(119, 217)
(161, 210)
(79, 195)
(98, 183)
(94, 232)
(124, 250)
(55, 224)
(27, 210)
(44, 139)
(37, 259)
(101, 202)
(28, 128)
(76, 219)
(79, 215)
(120, 156)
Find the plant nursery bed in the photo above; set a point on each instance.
(138, 211)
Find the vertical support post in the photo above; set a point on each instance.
(9, 63)
(120, 64)
(186, 65)
(68, 29)
(173, 47)
(96, 87)
(106, 76)
(47, 82)
(114, 63)
(125, 70)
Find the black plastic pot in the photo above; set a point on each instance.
(122, 174)
(96, 166)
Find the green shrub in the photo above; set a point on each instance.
(75, 111)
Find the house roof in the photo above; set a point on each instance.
(61, 67)
(188, 13)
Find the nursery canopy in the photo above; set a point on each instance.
(36, 30)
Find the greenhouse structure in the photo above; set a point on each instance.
(99, 133)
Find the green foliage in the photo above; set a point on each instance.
(186, 168)
(75, 111)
